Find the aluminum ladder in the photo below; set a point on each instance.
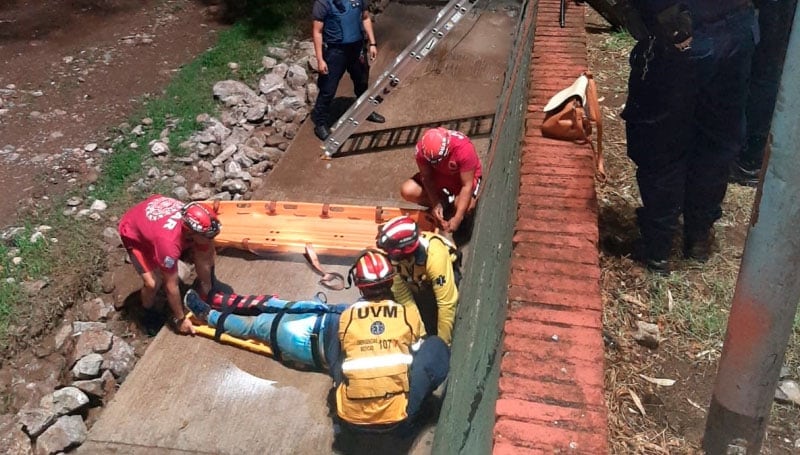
(403, 66)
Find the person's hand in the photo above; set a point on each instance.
(373, 52)
(322, 65)
(438, 213)
(186, 327)
(452, 224)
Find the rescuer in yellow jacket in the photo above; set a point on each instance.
(387, 365)
(423, 259)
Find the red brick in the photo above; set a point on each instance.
(562, 416)
(552, 238)
(561, 283)
(505, 448)
(558, 214)
(542, 190)
(560, 368)
(559, 253)
(556, 298)
(555, 315)
(544, 391)
(551, 438)
(578, 343)
(556, 266)
(527, 200)
(563, 181)
(565, 168)
(536, 144)
(546, 226)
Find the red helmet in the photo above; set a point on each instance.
(199, 219)
(434, 145)
(398, 236)
(372, 268)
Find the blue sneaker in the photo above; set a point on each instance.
(196, 305)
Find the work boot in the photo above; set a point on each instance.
(744, 175)
(659, 266)
(698, 247)
(322, 132)
(196, 305)
(376, 118)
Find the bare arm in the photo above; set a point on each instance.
(316, 37)
(367, 21)
(175, 304)
(462, 201)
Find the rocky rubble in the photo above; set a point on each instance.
(57, 392)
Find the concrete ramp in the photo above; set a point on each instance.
(192, 395)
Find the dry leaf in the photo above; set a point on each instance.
(658, 381)
(637, 401)
(670, 300)
(695, 405)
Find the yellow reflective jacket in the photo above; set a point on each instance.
(376, 340)
(432, 265)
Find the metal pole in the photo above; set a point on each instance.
(768, 287)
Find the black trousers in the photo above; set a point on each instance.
(341, 58)
(685, 123)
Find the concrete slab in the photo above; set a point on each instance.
(194, 395)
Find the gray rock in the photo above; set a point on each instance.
(90, 147)
(201, 195)
(180, 193)
(232, 167)
(268, 62)
(222, 157)
(138, 130)
(296, 76)
(92, 341)
(280, 53)
(83, 326)
(271, 83)
(647, 334)
(88, 367)
(98, 387)
(256, 112)
(205, 165)
(64, 401)
(94, 310)
(222, 196)
(98, 205)
(232, 93)
(159, 148)
(234, 186)
(35, 420)
(74, 201)
(120, 359)
(111, 237)
(62, 335)
(153, 173)
(788, 391)
(312, 91)
(67, 432)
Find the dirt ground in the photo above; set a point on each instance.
(72, 69)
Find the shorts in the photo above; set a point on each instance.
(138, 258)
(476, 185)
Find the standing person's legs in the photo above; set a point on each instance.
(659, 129)
(775, 22)
(428, 370)
(148, 272)
(358, 68)
(335, 58)
(721, 129)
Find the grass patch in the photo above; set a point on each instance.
(189, 93)
(70, 263)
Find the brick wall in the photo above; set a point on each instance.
(551, 374)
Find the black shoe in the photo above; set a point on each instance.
(196, 305)
(376, 118)
(744, 176)
(698, 248)
(659, 267)
(322, 132)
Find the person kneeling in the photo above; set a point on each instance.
(382, 363)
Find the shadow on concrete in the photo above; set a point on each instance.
(408, 135)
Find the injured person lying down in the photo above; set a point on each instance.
(383, 364)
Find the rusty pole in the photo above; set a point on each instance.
(768, 287)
